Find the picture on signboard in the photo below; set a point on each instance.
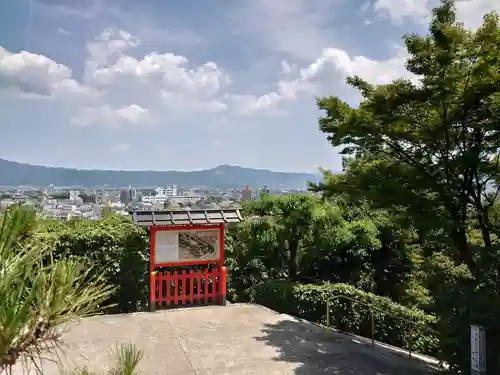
(178, 246)
(166, 246)
(198, 245)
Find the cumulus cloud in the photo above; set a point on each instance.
(118, 88)
(106, 46)
(326, 75)
(36, 74)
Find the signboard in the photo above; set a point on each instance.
(477, 350)
(187, 245)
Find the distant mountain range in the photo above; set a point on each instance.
(223, 176)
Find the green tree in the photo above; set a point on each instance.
(431, 145)
(426, 150)
(290, 217)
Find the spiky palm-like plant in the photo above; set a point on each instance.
(38, 295)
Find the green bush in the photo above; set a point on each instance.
(412, 330)
(114, 246)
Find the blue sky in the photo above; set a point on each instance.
(163, 84)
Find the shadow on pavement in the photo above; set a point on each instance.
(306, 349)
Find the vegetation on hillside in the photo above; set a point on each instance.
(222, 176)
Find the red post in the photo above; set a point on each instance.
(152, 291)
(176, 288)
(222, 286)
(221, 246)
(152, 270)
(198, 286)
(168, 295)
(160, 278)
(183, 286)
(222, 269)
(205, 291)
(191, 286)
(214, 276)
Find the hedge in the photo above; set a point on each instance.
(114, 247)
(414, 331)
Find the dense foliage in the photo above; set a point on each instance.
(116, 249)
(351, 310)
(426, 151)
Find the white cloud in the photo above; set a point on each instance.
(104, 115)
(119, 88)
(157, 81)
(166, 71)
(470, 12)
(37, 74)
(326, 75)
(399, 10)
(109, 44)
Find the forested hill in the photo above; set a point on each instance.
(13, 173)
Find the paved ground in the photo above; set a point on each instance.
(237, 339)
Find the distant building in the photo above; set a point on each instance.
(170, 191)
(125, 196)
(162, 195)
(246, 194)
(189, 197)
(74, 196)
(133, 193)
(101, 196)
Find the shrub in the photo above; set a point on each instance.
(394, 324)
(114, 247)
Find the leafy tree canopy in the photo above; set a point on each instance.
(428, 146)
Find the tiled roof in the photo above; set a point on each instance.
(186, 217)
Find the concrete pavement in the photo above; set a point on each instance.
(240, 339)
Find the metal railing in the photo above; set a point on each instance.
(373, 309)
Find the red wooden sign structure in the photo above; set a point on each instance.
(186, 255)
